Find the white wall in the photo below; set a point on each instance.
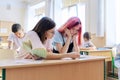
(91, 15)
(117, 7)
(110, 23)
(13, 10)
(93, 18)
(32, 18)
(57, 13)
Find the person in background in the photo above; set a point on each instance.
(37, 42)
(87, 44)
(15, 39)
(68, 37)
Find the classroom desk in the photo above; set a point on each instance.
(108, 60)
(106, 53)
(85, 68)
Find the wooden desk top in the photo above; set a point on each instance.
(30, 63)
(108, 50)
(105, 53)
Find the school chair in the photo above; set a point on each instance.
(114, 68)
(6, 54)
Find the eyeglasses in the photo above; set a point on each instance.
(53, 32)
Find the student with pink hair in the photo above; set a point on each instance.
(36, 43)
(68, 37)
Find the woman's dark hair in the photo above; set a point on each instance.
(16, 28)
(42, 26)
(87, 35)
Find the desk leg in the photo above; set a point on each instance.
(3, 74)
(105, 72)
(113, 66)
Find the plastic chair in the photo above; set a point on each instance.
(113, 53)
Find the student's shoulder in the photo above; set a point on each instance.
(89, 41)
(12, 35)
(57, 34)
(31, 33)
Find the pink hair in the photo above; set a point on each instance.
(72, 22)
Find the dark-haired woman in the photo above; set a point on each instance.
(37, 43)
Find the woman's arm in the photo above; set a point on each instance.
(92, 46)
(75, 48)
(53, 56)
(61, 48)
(9, 44)
(59, 56)
(10, 41)
(88, 48)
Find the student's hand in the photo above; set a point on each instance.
(74, 55)
(74, 37)
(30, 56)
(67, 32)
(35, 57)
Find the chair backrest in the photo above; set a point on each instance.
(6, 54)
(114, 51)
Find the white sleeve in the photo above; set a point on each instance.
(82, 45)
(10, 37)
(35, 40)
(48, 45)
(91, 44)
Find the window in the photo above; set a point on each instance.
(81, 15)
(117, 6)
(35, 13)
(68, 12)
(75, 10)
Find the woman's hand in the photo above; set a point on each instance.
(74, 37)
(67, 32)
(74, 55)
(75, 43)
(30, 56)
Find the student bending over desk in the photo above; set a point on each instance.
(87, 44)
(15, 39)
(36, 44)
